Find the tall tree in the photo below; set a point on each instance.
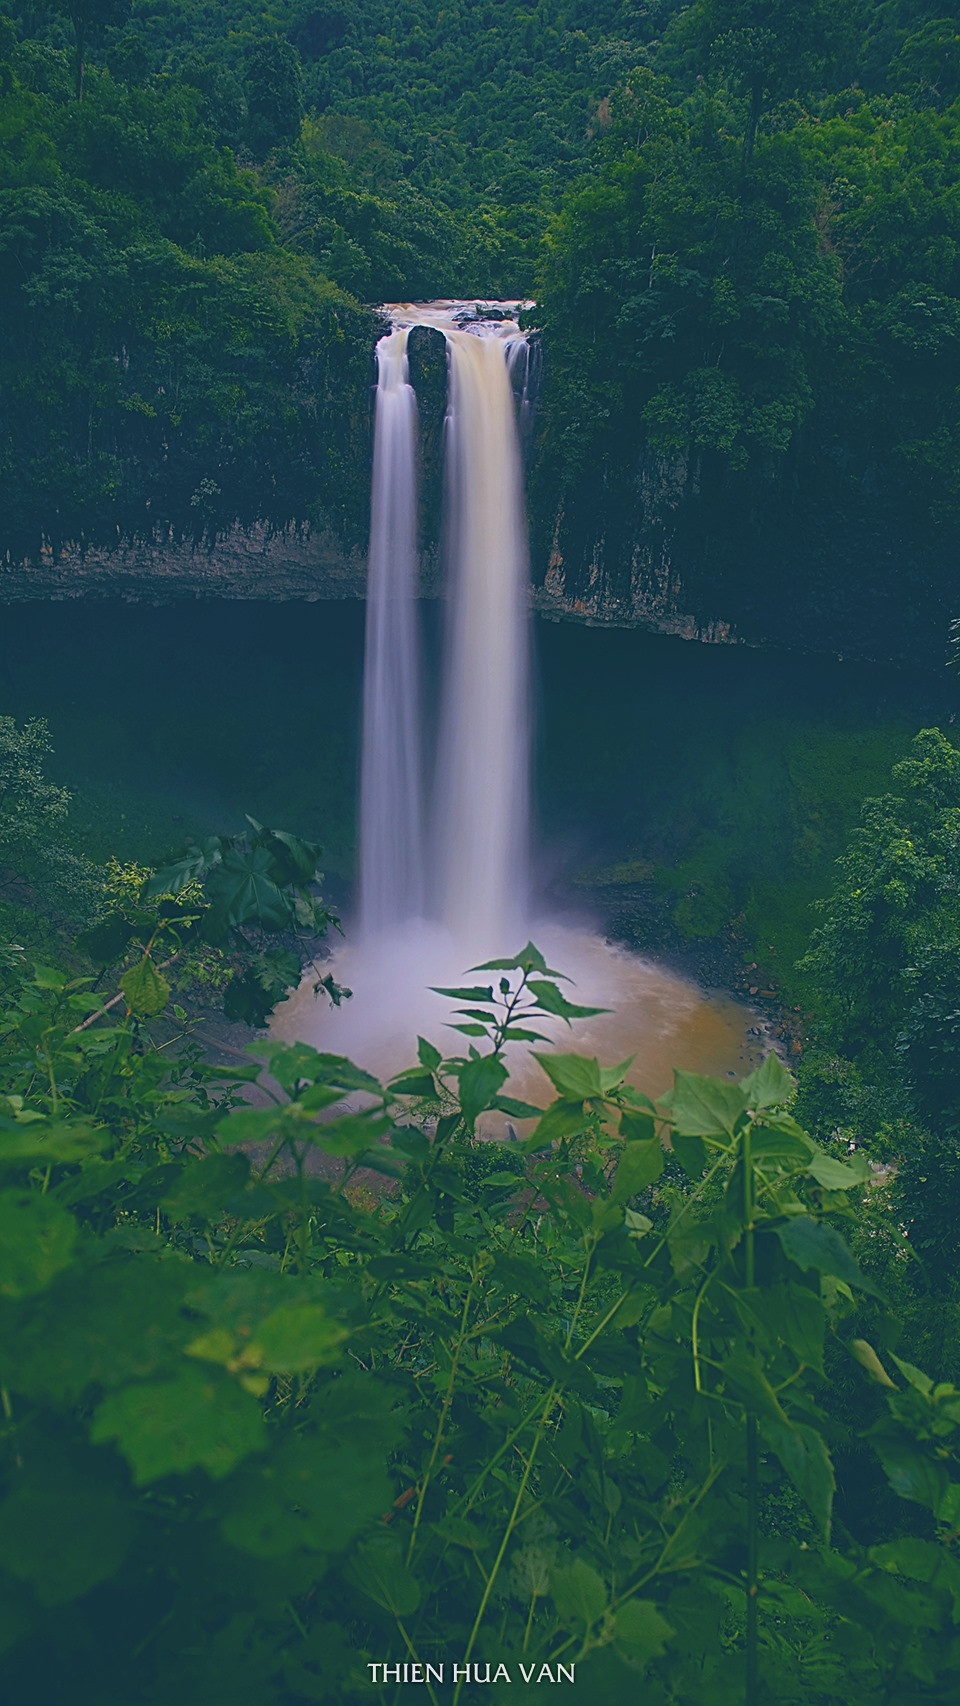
(85, 15)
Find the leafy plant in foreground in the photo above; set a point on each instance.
(249, 896)
(263, 1429)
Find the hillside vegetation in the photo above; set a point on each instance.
(741, 220)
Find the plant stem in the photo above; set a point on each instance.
(751, 1695)
(511, 1524)
(444, 1412)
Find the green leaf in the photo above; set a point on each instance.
(205, 1186)
(482, 993)
(691, 1152)
(63, 1530)
(518, 1110)
(480, 1081)
(573, 1075)
(145, 989)
(50, 1141)
(380, 1572)
(914, 1377)
(296, 1337)
(704, 1107)
(637, 1126)
(866, 1356)
(295, 1064)
(812, 1244)
(427, 1055)
(770, 1085)
(550, 1000)
(349, 1135)
(184, 869)
(121, 1320)
(529, 959)
(562, 1119)
(413, 1082)
(318, 1494)
(107, 940)
(37, 1237)
(805, 1457)
(579, 1593)
(640, 1165)
(911, 1472)
(838, 1175)
(249, 1125)
(641, 1631)
(200, 1419)
(243, 891)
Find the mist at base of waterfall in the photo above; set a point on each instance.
(660, 1018)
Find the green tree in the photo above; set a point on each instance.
(87, 16)
(274, 89)
(30, 806)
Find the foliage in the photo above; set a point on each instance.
(29, 805)
(883, 963)
(251, 898)
(260, 1434)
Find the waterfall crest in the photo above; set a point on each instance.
(391, 790)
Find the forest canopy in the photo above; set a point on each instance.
(740, 218)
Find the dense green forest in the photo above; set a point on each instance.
(740, 220)
(300, 1374)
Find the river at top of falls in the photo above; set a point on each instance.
(445, 886)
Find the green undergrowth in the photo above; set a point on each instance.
(586, 1407)
(747, 839)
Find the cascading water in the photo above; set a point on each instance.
(391, 795)
(432, 906)
(483, 772)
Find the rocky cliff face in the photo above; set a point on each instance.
(674, 547)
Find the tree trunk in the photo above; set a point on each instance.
(81, 29)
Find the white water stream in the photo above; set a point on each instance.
(433, 905)
(391, 794)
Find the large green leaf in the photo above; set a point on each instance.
(475, 992)
(770, 1085)
(296, 1337)
(145, 989)
(549, 998)
(37, 1237)
(838, 1175)
(479, 1081)
(812, 1244)
(106, 940)
(200, 1419)
(579, 1592)
(641, 1631)
(44, 1141)
(243, 891)
(704, 1107)
(574, 1076)
(205, 1186)
(804, 1455)
(562, 1119)
(63, 1529)
(380, 1571)
(311, 1493)
(640, 1165)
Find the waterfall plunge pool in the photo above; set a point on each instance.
(687, 768)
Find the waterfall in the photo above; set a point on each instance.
(475, 882)
(483, 769)
(432, 905)
(391, 794)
